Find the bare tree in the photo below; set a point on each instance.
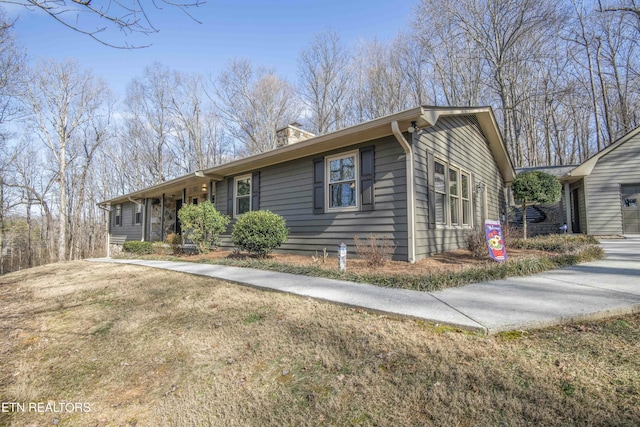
(414, 68)
(324, 74)
(35, 180)
(147, 127)
(99, 19)
(630, 7)
(453, 64)
(511, 38)
(618, 69)
(255, 104)
(199, 138)
(12, 64)
(12, 60)
(380, 83)
(63, 101)
(580, 33)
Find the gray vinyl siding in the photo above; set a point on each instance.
(603, 203)
(287, 189)
(127, 230)
(459, 142)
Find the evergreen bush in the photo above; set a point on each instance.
(202, 224)
(138, 247)
(259, 232)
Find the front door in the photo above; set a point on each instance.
(575, 211)
(630, 208)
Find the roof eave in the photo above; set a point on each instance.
(586, 168)
(424, 116)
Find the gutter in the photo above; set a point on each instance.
(411, 215)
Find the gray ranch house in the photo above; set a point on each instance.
(422, 178)
(602, 195)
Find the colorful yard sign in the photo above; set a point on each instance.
(495, 241)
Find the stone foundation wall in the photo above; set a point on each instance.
(169, 216)
(115, 249)
(551, 225)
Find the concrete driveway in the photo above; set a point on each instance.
(597, 289)
(587, 291)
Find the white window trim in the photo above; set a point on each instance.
(454, 196)
(118, 216)
(235, 193)
(327, 184)
(445, 208)
(137, 207)
(447, 199)
(469, 199)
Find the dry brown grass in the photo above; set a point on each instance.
(149, 347)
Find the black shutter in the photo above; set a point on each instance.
(230, 197)
(255, 191)
(431, 165)
(367, 176)
(318, 185)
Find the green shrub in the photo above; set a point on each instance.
(202, 224)
(532, 188)
(138, 247)
(259, 232)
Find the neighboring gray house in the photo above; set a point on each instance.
(423, 178)
(603, 194)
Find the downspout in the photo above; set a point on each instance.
(411, 217)
(162, 218)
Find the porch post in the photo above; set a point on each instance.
(162, 218)
(144, 220)
(567, 206)
(108, 213)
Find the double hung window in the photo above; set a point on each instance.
(242, 195)
(440, 186)
(466, 198)
(118, 214)
(452, 192)
(138, 214)
(342, 181)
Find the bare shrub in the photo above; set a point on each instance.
(175, 241)
(511, 231)
(476, 243)
(320, 259)
(376, 252)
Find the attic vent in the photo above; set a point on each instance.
(291, 134)
(474, 120)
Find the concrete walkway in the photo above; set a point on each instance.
(592, 290)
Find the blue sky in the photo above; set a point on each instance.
(269, 33)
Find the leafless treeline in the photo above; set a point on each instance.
(562, 77)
